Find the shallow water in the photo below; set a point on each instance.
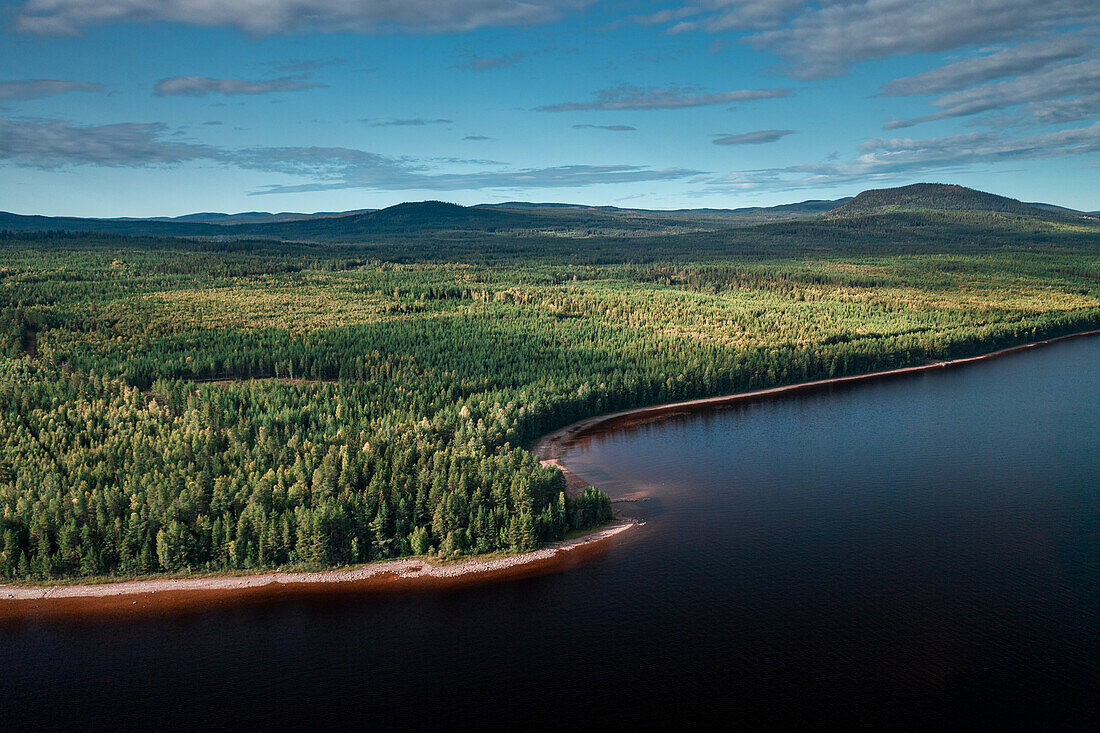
(908, 553)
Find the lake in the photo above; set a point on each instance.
(906, 553)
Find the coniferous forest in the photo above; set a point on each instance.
(176, 405)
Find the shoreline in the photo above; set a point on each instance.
(111, 598)
(161, 594)
(550, 447)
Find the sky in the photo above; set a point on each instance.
(166, 107)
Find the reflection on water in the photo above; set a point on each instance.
(913, 552)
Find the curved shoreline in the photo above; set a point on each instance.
(105, 599)
(550, 447)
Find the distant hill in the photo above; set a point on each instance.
(426, 216)
(212, 217)
(246, 217)
(402, 218)
(932, 197)
(134, 227)
(406, 218)
(804, 208)
(206, 224)
(435, 215)
(534, 219)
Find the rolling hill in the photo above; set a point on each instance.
(934, 197)
(531, 219)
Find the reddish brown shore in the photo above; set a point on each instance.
(144, 596)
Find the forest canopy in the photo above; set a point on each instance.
(174, 405)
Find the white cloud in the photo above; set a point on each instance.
(824, 41)
(820, 38)
(410, 122)
(1068, 81)
(609, 128)
(756, 137)
(267, 17)
(1016, 60)
(631, 97)
(200, 86)
(1058, 111)
(342, 168)
(889, 158)
(55, 144)
(38, 88)
(728, 15)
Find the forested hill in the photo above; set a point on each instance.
(429, 217)
(402, 219)
(518, 219)
(934, 197)
(133, 227)
(801, 209)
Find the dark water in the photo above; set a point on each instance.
(913, 553)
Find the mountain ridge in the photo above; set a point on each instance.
(524, 218)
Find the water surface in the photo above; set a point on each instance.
(908, 553)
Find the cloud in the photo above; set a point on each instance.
(825, 39)
(722, 15)
(474, 62)
(611, 128)
(38, 88)
(200, 86)
(1013, 61)
(566, 176)
(343, 168)
(658, 18)
(726, 15)
(1059, 111)
(631, 97)
(411, 122)
(51, 144)
(665, 16)
(821, 38)
(753, 138)
(478, 137)
(308, 65)
(485, 63)
(981, 147)
(887, 158)
(55, 144)
(269, 17)
(1071, 80)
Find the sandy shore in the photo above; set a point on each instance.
(394, 575)
(399, 569)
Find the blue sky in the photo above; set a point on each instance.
(164, 107)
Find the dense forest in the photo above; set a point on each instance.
(173, 405)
